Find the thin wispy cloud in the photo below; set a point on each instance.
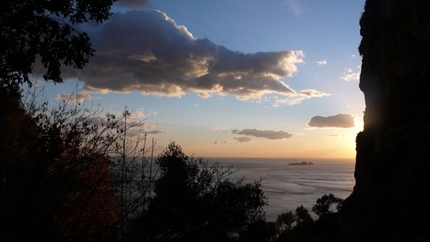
(299, 97)
(243, 139)
(155, 132)
(220, 128)
(149, 52)
(351, 75)
(336, 121)
(151, 128)
(268, 134)
(322, 63)
(136, 125)
(74, 98)
(295, 7)
(38, 83)
(137, 114)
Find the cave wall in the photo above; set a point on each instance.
(391, 196)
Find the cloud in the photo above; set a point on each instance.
(38, 83)
(350, 75)
(299, 97)
(337, 121)
(243, 139)
(220, 128)
(137, 132)
(74, 98)
(155, 132)
(133, 3)
(140, 127)
(321, 63)
(138, 114)
(149, 52)
(135, 125)
(294, 6)
(268, 134)
(300, 134)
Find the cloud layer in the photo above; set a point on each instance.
(268, 134)
(133, 3)
(336, 121)
(148, 52)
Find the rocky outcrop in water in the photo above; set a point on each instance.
(390, 201)
(303, 163)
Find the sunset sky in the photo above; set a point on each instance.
(230, 78)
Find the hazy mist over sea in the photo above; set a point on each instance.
(289, 186)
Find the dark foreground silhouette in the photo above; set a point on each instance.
(59, 182)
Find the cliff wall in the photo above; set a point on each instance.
(390, 201)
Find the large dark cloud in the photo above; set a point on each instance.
(148, 52)
(336, 121)
(133, 3)
(268, 134)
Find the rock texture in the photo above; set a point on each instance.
(391, 198)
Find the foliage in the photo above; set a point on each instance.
(285, 220)
(300, 225)
(324, 204)
(303, 216)
(45, 30)
(259, 231)
(69, 175)
(329, 226)
(58, 181)
(195, 201)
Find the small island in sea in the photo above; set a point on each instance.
(303, 163)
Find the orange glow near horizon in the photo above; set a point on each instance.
(339, 149)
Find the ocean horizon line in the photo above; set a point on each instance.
(281, 160)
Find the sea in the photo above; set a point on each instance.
(289, 186)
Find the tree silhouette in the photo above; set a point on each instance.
(57, 177)
(195, 201)
(132, 168)
(303, 216)
(329, 226)
(259, 231)
(285, 220)
(45, 31)
(324, 204)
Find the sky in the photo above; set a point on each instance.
(230, 78)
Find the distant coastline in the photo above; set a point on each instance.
(303, 163)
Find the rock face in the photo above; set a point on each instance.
(391, 198)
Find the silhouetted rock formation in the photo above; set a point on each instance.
(390, 201)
